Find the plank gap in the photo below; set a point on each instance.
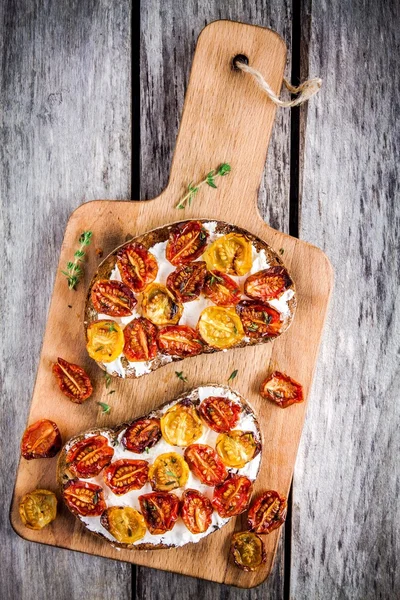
(287, 547)
(294, 198)
(135, 101)
(295, 124)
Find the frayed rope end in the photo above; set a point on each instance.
(304, 91)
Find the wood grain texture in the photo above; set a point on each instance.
(64, 138)
(169, 31)
(241, 136)
(168, 37)
(346, 521)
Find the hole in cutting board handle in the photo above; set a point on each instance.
(239, 58)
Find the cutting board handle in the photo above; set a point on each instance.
(226, 116)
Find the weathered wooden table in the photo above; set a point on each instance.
(91, 97)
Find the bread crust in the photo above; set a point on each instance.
(64, 475)
(161, 234)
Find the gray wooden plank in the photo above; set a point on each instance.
(346, 519)
(169, 31)
(64, 138)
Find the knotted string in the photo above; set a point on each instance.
(305, 90)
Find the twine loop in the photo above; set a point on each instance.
(305, 90)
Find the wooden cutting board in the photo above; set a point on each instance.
(226, 118)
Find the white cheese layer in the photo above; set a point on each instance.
(191, 310)
(179, 535)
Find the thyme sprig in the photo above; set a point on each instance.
(74, 270)
(209, 179)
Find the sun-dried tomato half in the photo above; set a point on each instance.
(179, 340)
(220, 327)
(160, 511)
(138, 267)
(140, 340)
(236, 448)
(84, 498)
(187, 281)
(187, 242)
(232, 497)
(248, 550)
(205, 463)
(89, 456)
(125, 475)
(168, 472)
(221, 289)
(219, 413)
(142, 434)
(267, 284)
(105, 340)
(41, 440)
(124, 523)
(72, 380)
(281, 389)
(259, 320)
(113, 298)
(38, 508)
(160, 306)
(196, 511)
(267, 512)
(231, 253)
(181, 424)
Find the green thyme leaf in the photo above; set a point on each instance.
(192, 188)
(180, 376)
(267, 317)
(215, 278)
(281, 251)
(105, 407)
(233, 375)
(108, 379)
(85, 238)
(210, 179)
(111, 392)
(224, 169)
